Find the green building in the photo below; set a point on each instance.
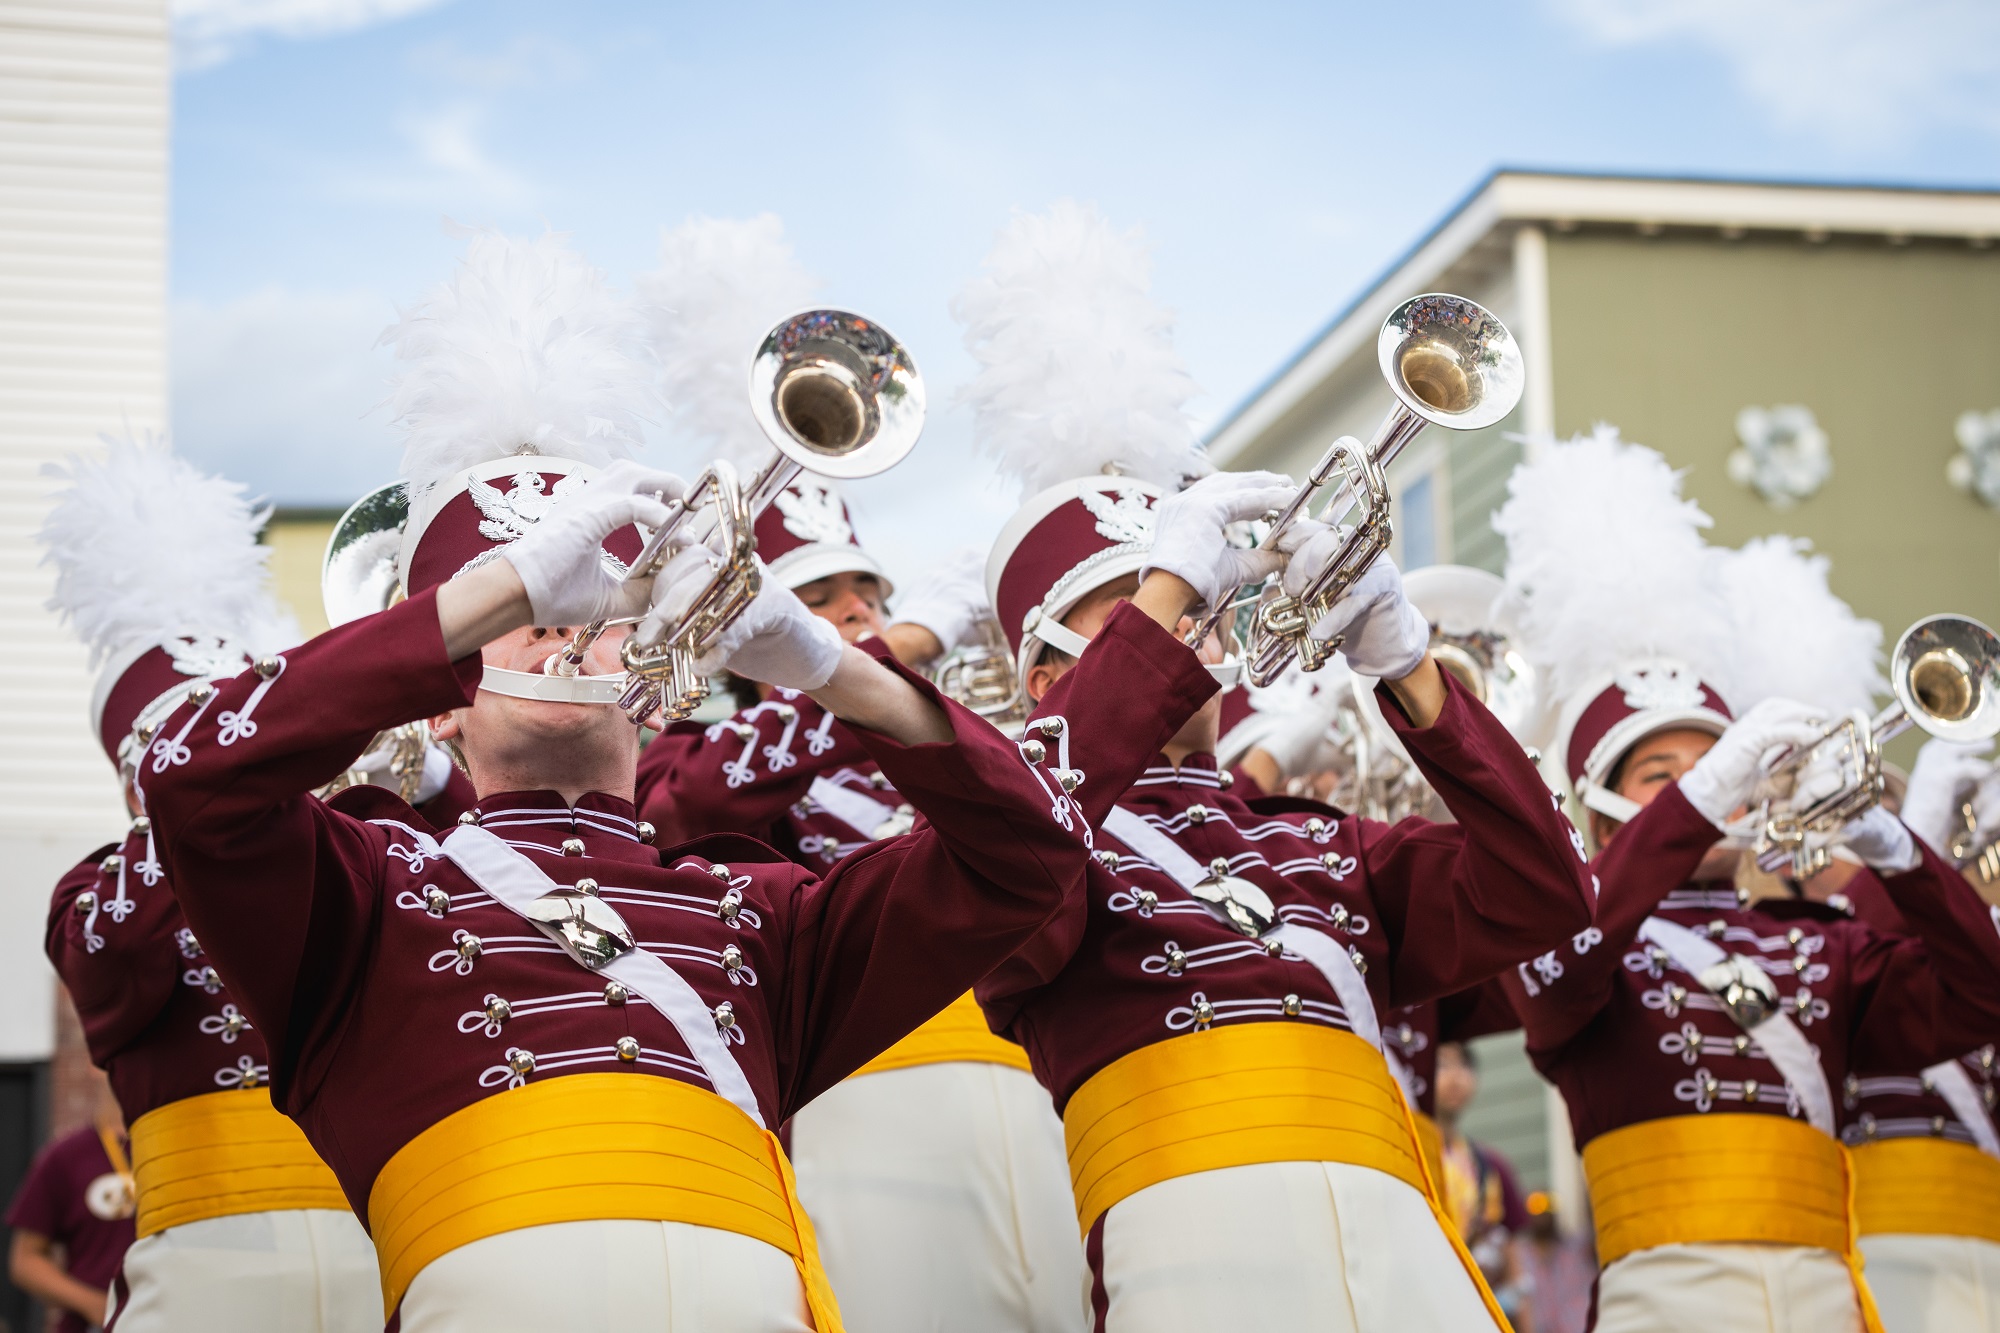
(1821, 360)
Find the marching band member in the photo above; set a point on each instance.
(240, 1225)
(934, 1174)
(1697, 1036)
(542, 1055)
(1206, 1017)
(1925, 1144)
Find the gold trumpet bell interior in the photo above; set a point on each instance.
(1945, 684)
(821, 403)
(1434, 373)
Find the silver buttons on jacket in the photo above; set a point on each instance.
(233, 1023)
(469, 947)
(1034, 751)
(469, 819)
(86, 903)
(267, 667)
(1204, 1014)
(498, 1010)
(1106, 858)
(1360, 963)
(879, 781)
(572, 846)
(719, 871)
(587, 886)
(1225, 779)
(201, 693)
(1794, 936)
(1315, 826)
(1742, 1043)
(1050, 726)
(1750, 1089)
(647, 832)
(1937, 1126)
(725, 1016)
(1293, 1006)
(730, 907)
(436, 901)
(628, 1049)
(142, 825)
(1197, 814)
(521, 1062)
(1717, 928)
(110, 865)
(732, 960)
(1147, 900)
(1339, 915)
(1176, 962)
(615, 994)
(786, 713)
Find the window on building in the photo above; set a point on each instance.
(1416, 523)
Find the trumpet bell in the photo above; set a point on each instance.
(1946, 674)
(358, 575)
(837, 394)
(1450, 361)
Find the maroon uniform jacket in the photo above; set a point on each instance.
(1626, 1036)
(1430, 908)
(1898, 1104)
(392, 991)
(754, 774)
(156, 1014)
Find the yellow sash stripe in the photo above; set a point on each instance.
(958, 1034)
(1724, 1179)
(1431, 1139)
(1926, 1187)
(221, 1154)
(590, 1147)
(1242, 1095)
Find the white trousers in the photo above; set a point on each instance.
(609, 1277)
(1934, 1284)
(303, 1270)
(1728, 1289)
(1284, 1247)
(940, 1194)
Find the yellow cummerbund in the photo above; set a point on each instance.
(1716, 1179)
(1234, 1096)
(1431, 1139)
(957, 1034)
(589, 1147)
(1926, 1187)
(221, 1154)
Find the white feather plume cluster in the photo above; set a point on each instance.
(1792, 637)
(1077, 368)
(721, 284)
(1606, 563)
(146, 548)
(526, 348)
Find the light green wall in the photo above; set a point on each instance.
(1667, 338)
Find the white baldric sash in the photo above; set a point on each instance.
(515, 882)
(1776, 1033)
(1953, 1084)
(1316, 948)
(858, 810)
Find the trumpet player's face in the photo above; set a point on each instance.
(1198, 734)
(850, 601)
(1648, 769)
(514, 744)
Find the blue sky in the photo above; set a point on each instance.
(1278, 156)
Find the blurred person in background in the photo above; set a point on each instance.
(1480, 1188)
(1560, 1269)
(72, 1218)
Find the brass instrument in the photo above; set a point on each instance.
(1449, 363)
(834, 393)
(357, 578)
(1946, 676)
(980, 675)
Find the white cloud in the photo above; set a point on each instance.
(279, 389)
(449, 167)
(209, 32)
(1867, 72)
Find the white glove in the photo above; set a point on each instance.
(561, 562)
(950, 601)
(1945, 776)
(1725, 778)
(1384, 635)
(375, 768)
(1188, 539)
(1293, 731)
(776, 640)
(1882, 840)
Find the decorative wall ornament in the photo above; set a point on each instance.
(1784, 455)
(1975, 468)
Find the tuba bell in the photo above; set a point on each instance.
(358, 577)
(835, 394)
(1945, 672)
(979, 674)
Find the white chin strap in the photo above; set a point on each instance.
(553, 689)
(1607, 802)
(1066, 640)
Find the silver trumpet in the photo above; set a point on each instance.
(1946, 676)
(1449, 363)
(357, 577)
(836, 394)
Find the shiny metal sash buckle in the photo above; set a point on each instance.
(900, 821)
(1236, 902)
(590, 930)
(1745, 992)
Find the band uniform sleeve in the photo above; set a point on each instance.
(119, 974)
(280, 889)
(739, 775)
(1556, 994)
(903, 927)
(1134, 687)
(1934, 993)
(1461, 902)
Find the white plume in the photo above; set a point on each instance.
(525, 349)
(146, 549)
(721, 284)
(1792, 637)
(1606, 562)
(1077, 364)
